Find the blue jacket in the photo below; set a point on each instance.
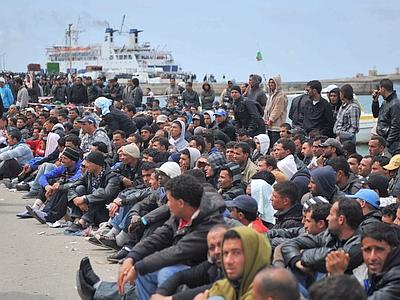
(6, 96)
(62, 173)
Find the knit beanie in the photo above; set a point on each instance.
(72, 153)
(236, 88)
(96, 157)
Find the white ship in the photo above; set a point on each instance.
(131, 59)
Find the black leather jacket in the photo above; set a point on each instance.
(388, 125)
(249, 115)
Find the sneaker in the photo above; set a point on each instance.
(39, 215)
(30, 195)
(22, 187)
(10, 185)
(74, 228)
(24, 215)
(109, 242)
(56, 224)
(116, 257)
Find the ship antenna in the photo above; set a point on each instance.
(122, 24)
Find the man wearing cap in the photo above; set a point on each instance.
(248, 113)
(369, 202)
(276, 108)
(394, 172)
(332, 148)
(129, 169)
(224, 124)
(90, 194)
(161, 121)
(91, 133)
(54, 187)
(245, 210)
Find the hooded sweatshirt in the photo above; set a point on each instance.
(325, 179)
(264, 141)
(194, 154)
(288, 166)
(212, 117)
(216, 161)
(180, 143)
(276, 108)
(256, 93)
(257, 253)
(262, 192)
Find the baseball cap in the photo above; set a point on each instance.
(161, 119)
(331, 142)
(244, 203)
(170, 168)
(88, 119)
(220, 112)
(368, 196)
(393, 164)
(131, 150)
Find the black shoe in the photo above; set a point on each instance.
(93, 240)
(85, 290)
(109, 242)
(10, 185)
(116, 257)
(38, 217)
(30, 195)
(22, 187)
(74, 228)
(24, 215)
(87, 271)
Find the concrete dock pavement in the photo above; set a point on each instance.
(39, 262)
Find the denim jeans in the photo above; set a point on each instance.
(146, 285)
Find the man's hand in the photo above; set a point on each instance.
(268, 123)
(112, 209)
(303, 269)
(337, 262)
(320, 161)
(26, 169)
(136, 223)
(79, 200)
(126, 273)
(202, 296)
(56, 186)
(160, 297)
(83, 207)
(127, 183)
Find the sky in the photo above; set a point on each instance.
(299, 40)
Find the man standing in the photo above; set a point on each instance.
(23, 97)
(173, 89)
(388, 114)
(276, 108)
(254, 91)
(317, 112)
(248, 113)
(137, 93)
(78, 93)
(93, 91)
(6, 95)
(190, 96)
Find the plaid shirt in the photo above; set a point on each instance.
(348, 119)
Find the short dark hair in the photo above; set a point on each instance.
(287, 144)
(337, 288)
(250, 216)
(244, 146)
(286, 125)
(315, 84)
(349, 147)
(340, 164)
(198, 174)
(52, 120)
(351, 210)
(74, 139)
(288, 189)
(121, 133)
(268, 177)
(15, 133)
(282, 287)
(356, 156)
(387, 84)
(221, 143)
(187, 188)
(241, 132)
(381, 232)
(347, 91)
(320, 137)
(130, 107)
(269, 160)
(319, 211)
(101, 146)
(163, 142)
(382, 160)
(231, 234)
(390, 210)
(230, 145)
(209, 138)
(199, 141)
(148, 166)
(150, 151)
(380, 140)
(300, 137)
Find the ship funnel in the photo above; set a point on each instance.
(135, 33)
(109, 35)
